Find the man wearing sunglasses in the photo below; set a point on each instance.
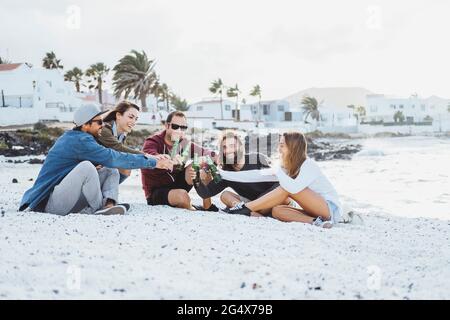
(163, 187)
(68, 182)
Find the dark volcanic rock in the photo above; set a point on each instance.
(24, 143)
(36, 161)
(318, 149)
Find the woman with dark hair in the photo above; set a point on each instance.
(300, 180)
(117, 124)
(232, 157)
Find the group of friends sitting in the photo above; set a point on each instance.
(84, 168)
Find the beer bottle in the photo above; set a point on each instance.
(196, 167)
(213, 170)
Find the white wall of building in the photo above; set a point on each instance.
(211, 123)
(36, 94)
(336, 117)
(415, 109)
(269, 111)
(441, 123)
(211, 108)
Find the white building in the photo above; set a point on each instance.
(270, 111)
(331, 116)
(211, 108)
(29, 95)
(208, 113)
(382, 108)
(339, 97)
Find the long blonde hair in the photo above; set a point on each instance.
(239, 155)
(297, 146)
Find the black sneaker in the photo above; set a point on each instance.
(243, 210)
(212, 208)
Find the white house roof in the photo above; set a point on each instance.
(432, 98)
(211, 100)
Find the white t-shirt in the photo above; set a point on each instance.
(310, 176)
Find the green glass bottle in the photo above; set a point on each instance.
(174, 150)
(186, 153)
(196, 167)
(213, 170)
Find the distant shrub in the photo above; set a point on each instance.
(3, 145)
(39, 126)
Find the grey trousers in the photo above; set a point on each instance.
(84, 190)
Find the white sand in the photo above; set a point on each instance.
(164, 253)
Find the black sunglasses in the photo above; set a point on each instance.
(99, 122)
(177, 126)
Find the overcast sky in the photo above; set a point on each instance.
(393, 47)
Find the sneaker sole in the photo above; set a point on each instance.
(125, 205)
(112, 211)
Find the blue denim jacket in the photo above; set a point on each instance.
(68, 151)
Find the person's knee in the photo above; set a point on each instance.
(114, 172)
(185, 200)
(86, 168)
(86, 165)
(181, 199)
(224, 196)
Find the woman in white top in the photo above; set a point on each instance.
(300, 180)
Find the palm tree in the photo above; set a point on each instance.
(311, 108)
(234, 92)
(161, 93)
(50, 61)
(217, 88)
(97, 72)
(178, 103)
(75, 75)
(156, 90)
(358, 112)
(165, 95)
(399, 117)
(135, 74)
(256, 92)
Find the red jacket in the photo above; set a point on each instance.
(156, 178)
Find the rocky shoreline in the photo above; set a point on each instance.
(319, 148)
(38, 141)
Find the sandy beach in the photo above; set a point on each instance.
(400, 187)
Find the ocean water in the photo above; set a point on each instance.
(407, 176)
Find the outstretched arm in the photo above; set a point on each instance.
(94, 152)
(263, 175)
